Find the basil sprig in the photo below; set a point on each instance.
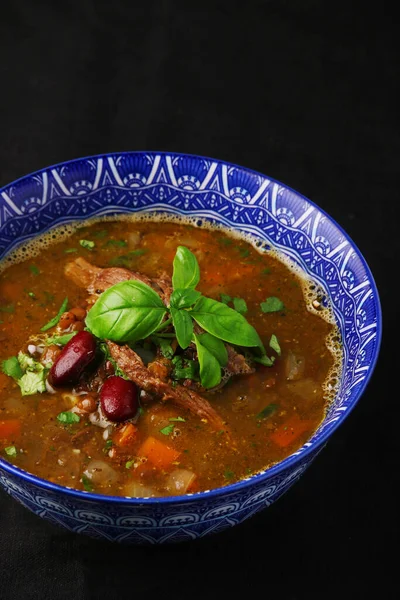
(127, 312)
(131, 311)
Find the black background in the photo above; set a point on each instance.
(305, 92)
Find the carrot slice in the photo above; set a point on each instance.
(288, 432)
(10, 429)
(125, 436)
(157, 453)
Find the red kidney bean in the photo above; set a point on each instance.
(119, 399)
(73, 360)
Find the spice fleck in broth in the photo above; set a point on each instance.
(145, 358)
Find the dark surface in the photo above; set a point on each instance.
(304, 92)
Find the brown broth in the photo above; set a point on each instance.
(32, 291)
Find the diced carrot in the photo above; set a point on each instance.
(10, 429)
(158, 453)
(125, 436)
(288, 432)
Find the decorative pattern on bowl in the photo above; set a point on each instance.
(239, 199)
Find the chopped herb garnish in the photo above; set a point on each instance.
(60, 340)
(11, 451)
(100, 234)
(31, 295)
(8, 308)
(49, 298)
(240, 305)
(125, 259)
(70, 250)
(266, 271)
(225, 298)
(225, 241)
(229, 474)
(34, 270)
(267, 411)
(53, 322)
(165, 346)
(244, 252)
(68, 417)
(87, 484)
(88, 244)
(12, 368)
(108, 445)
(104, 348)
(274, 344)
(117, 243)
(185, 369)
(177, 419)
(167, 430)
(264, 360)
(272, 304)
(129, 464)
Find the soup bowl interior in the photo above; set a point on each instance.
(242, 201)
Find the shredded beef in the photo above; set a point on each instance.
(129, 362)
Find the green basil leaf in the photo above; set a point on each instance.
(225, 323)
(184, 298)
(210, 369)
(215, 346)
(12, 368)
(68, 417)
(128, 311)
(53, 322)
(186, 272)
(264, 360)
(272, 304)
(274, 344)
(240, 305)
(183, 327)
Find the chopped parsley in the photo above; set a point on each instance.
(100, 234)
(225, 241)
(68, 417)
(266, 271)
(53, 322)
(185, 369)
(70, 250)
(244, 252)
(108, 446)
(177, 419)
(274, 344)
(267, 411)
(10, 451)
(272, 304)
(31, 295)
(8, 308)
(117, 243)
(165, 346)
(88, 244)
(225, 298)
(125, 259)
(167, 430)
(87, 484)
(60, 340)
(129, 464)
(229, 474)
(34, 270)
(240, 305)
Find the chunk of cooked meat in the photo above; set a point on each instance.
(97, 280)
(129, 362)
(237, 363)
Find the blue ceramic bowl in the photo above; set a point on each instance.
(242, 200)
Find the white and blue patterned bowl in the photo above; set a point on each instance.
(239, 199)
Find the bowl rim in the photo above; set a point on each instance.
(269, 472)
